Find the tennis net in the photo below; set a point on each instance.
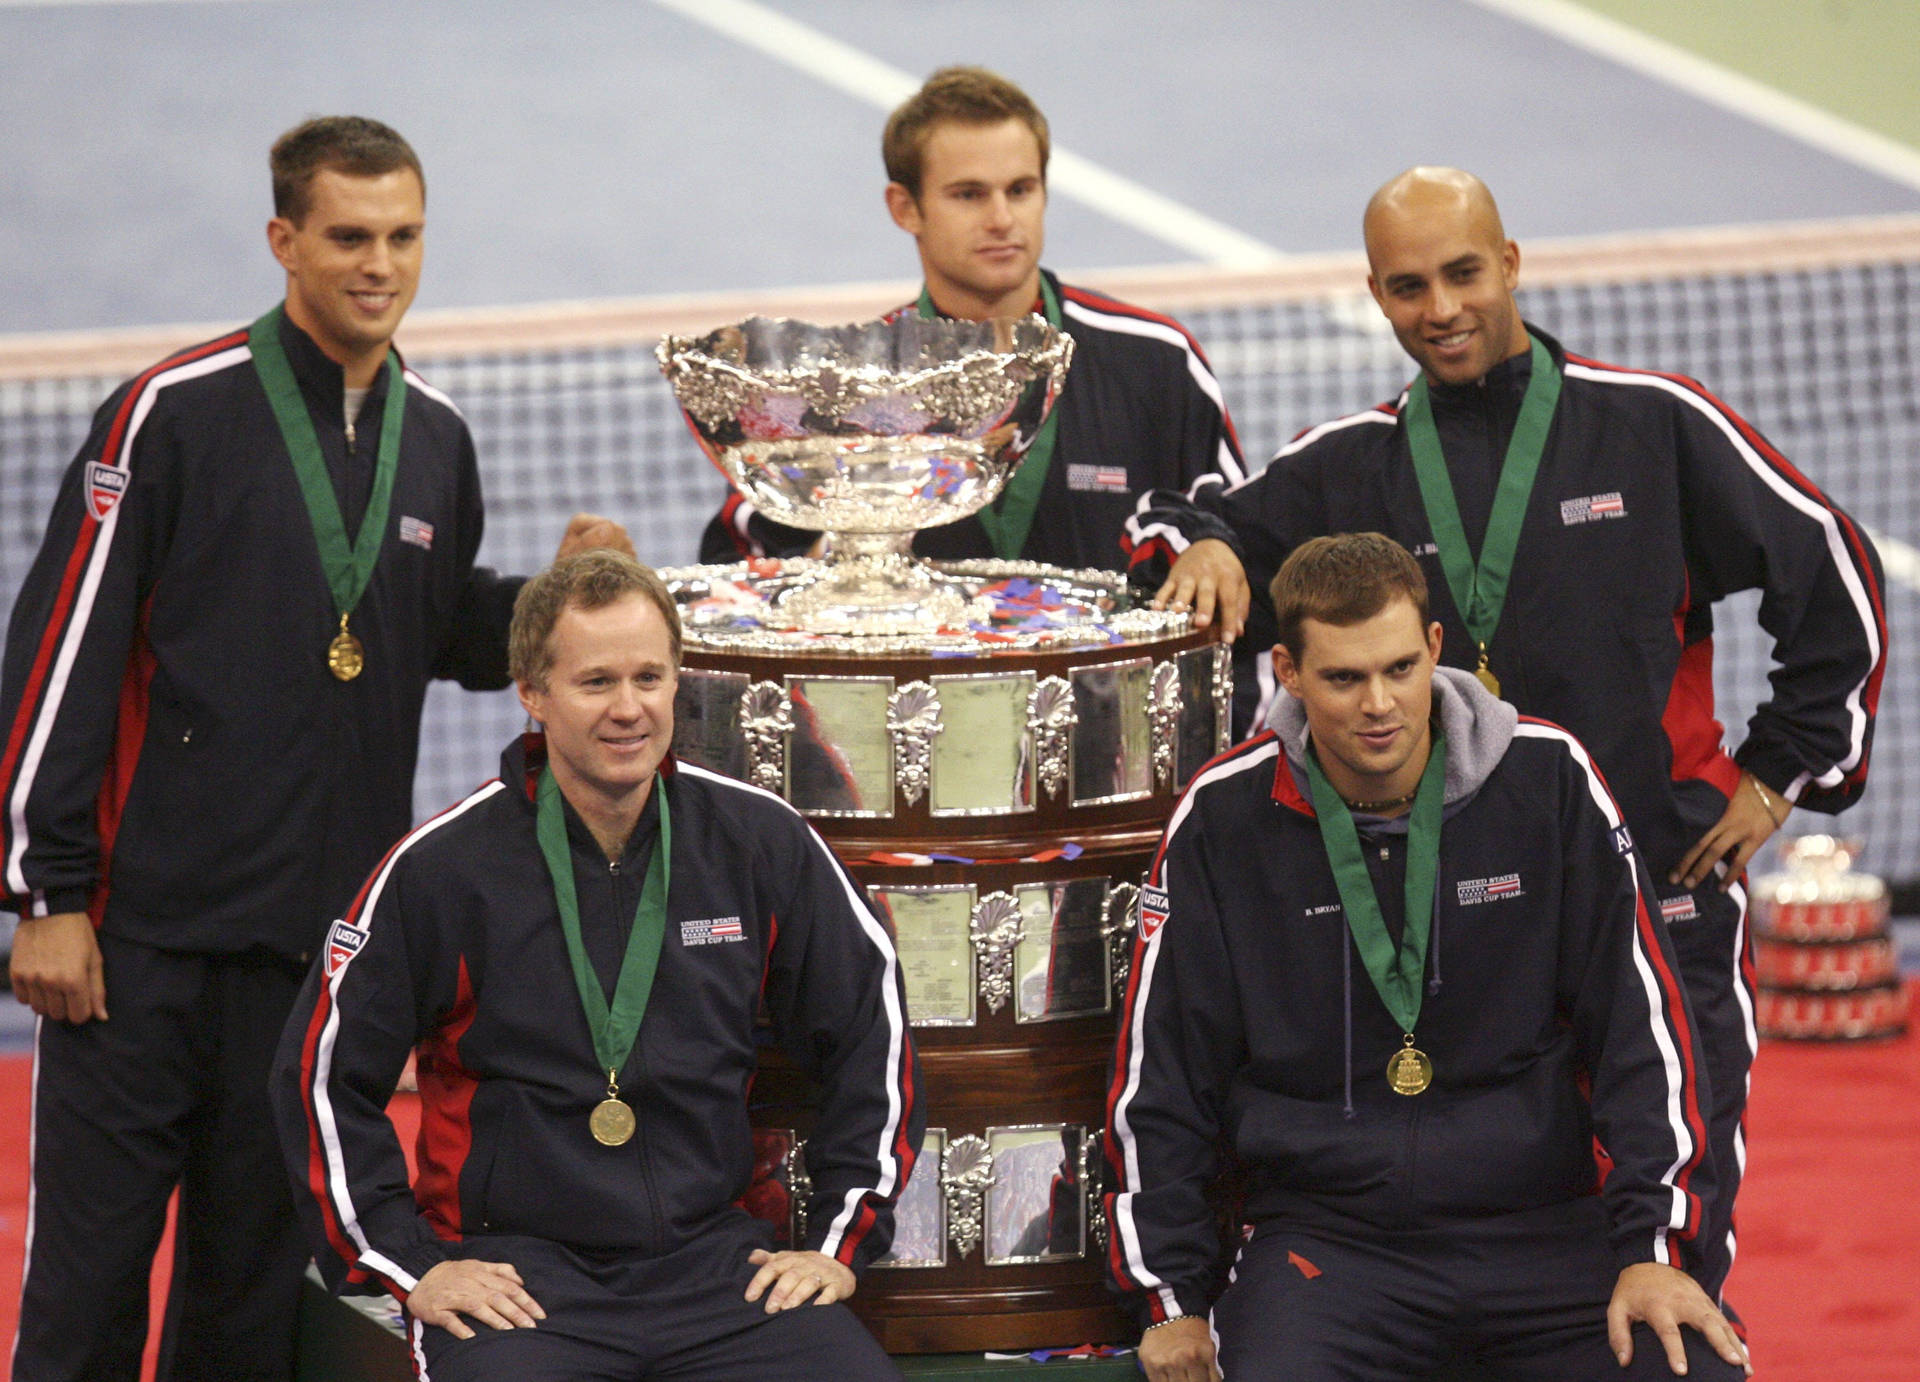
(1811, 331)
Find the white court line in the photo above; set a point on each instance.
(866, 78)
(1718, 86)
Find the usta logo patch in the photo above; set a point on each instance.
(1153, 910)
(343, 943)
(105, 485)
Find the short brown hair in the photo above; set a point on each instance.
(1343, 580)
(966, 96)
(349, 144)
(586, 580)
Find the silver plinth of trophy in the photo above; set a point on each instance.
(868, 433)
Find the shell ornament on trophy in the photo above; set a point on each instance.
(868, 433)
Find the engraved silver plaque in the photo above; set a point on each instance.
(1037, 1203)
(996, 930)
(706, 721)
(966, 1172)
(1202, 732)
(983, 763)
(1060, 963)
(932, 934)
(920, 1216)
(1163, 717)
(1121, 917)
(840, 756)
(1051, 718)
(766, 718)
(913, 722)
(1112, 749)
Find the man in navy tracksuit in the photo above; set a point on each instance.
(966, 160)
(1401, 955)
(576, 1211)
(1651, 501)
(210, 731)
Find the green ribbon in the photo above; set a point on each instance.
(614, 1028)
(1480, 592)
(348, 568)
(1398, 974)
(1009, 518)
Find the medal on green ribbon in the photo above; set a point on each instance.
(1009, 518)
(1398, 973)
(1480, 592)
(348, 566)
(615, 1028)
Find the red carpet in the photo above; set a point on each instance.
(1829, 1221)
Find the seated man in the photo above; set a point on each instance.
(1416, 1139)
(966, 160)
(582, 1149)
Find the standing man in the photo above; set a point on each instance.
(211, 701)
(581, 950)
(966, 160)
(1416, 1136)
(1580, 521)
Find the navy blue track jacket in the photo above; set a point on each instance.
(1552, 1014)
(1654, 500)
(178, 759)
(454, 945)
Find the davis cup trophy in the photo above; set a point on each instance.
(992, 748)
(869, 433)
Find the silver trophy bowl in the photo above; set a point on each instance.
(868, 433)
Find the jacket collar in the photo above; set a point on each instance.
(322, 382)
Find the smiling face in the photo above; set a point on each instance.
(607, 702)
(1368, 693)
(353, 263)
(980, 218)
(1444, 273)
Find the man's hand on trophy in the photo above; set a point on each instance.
(586, 531)
(1209, 580)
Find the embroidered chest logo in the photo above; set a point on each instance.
(416, 531)
(1473, 891)
(343, 943)
(1153, 910)
(105, 485)
(1322, 910)
(1622, 840)
(1425, 549)
(1592, 509)
(1105, 479)
(712, 931)
(1680, 908)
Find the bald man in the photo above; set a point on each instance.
(1578, 521)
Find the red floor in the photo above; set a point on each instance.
(1830, 1221)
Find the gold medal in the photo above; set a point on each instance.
(1408, 1070)
(1488, 680)
(611, 1122)
(346, 658)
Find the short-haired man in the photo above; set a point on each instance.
(1581, 521)
(211, 701)
(580, 951)
(966, 159)
(1400, 952)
